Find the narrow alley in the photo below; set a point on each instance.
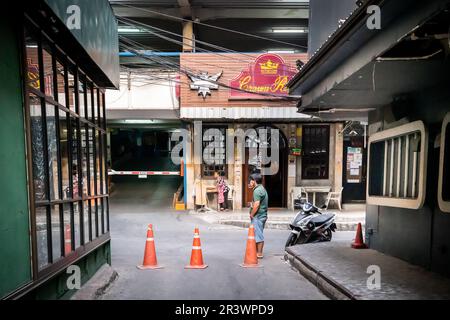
(136, 203)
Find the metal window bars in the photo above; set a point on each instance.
(58, 216)
(397, 166)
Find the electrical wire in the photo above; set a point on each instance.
(211, 26)
(190, 73)
(137, 44)
(185, 58)
(235, 69)
(118, 99)
(173, 66)
(151, 77)
(172, 92)
(153, 83)
(161, 60)
(144, 77)
(194, 73)
(200, 49)
(208, 44)
(155, 59)
(135, 23)
(177, 82)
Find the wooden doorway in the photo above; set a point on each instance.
(275, 184)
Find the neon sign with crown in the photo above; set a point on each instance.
(268, 74)
(269, 67)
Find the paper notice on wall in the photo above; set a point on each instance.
(354, 165)
(292, 170)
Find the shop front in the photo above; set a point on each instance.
(247, 102)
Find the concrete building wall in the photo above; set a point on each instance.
(140, 91)
(420, 236)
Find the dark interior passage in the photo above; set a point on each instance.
(134, 149)
(141, 149)
(276, 183)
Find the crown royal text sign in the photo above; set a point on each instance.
(268, 74)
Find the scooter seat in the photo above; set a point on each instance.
(322, 219)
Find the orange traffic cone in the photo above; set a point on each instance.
(196, 255)
(150, 261)
(251, 259)
(67, 240)
(358, 243)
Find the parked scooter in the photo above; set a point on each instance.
(310, 225)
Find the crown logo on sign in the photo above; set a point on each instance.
(269, 67)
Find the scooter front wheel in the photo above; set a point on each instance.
(328, 234)
(291, 240)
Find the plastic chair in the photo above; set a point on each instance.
(335, 196)
(231, 195)
(298, 193)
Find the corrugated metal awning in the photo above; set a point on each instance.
(242, 113)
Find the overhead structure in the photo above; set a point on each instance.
(285, 22)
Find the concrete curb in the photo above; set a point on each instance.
(285, 226)
(95, 287)
(324, 283)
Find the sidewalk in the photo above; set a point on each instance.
(341, 273)
(346, 220)
(97, 285)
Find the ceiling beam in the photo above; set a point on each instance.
(188, 26)
(185, 8)
(205, 14)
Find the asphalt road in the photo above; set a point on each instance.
(136, 203)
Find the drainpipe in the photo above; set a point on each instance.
(365, 136)
(129, 89)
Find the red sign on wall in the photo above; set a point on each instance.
(268, 74)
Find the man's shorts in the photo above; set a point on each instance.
(259, 224)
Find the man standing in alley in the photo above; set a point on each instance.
(258, 211)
